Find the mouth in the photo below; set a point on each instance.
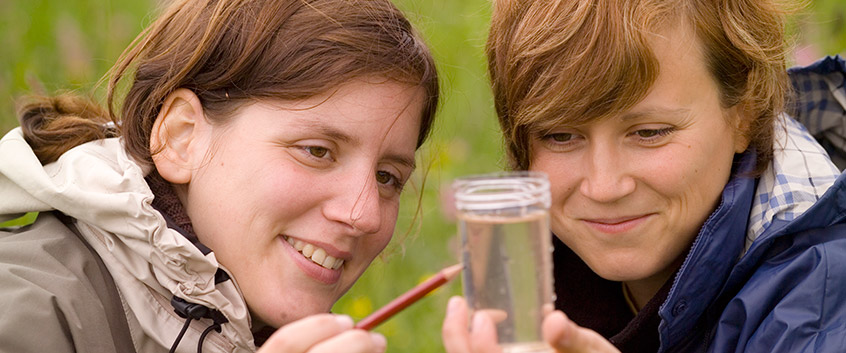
(315, 253)
(616, 225)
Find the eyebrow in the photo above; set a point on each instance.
(408, 162)
(652, 111)
(333, 133)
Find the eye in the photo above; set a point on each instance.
(560, 137)
(317, 152)
(653, 135)
(314, 153)
(561, 141)
(387, 178)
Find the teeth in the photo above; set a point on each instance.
(329, 262)
(308, 250)
(316, 255)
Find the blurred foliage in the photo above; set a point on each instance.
(51, 45)
(822, 28)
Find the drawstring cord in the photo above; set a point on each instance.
(179, 337)
(192, 311)
(215, 326)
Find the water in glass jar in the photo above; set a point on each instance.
(508, 266)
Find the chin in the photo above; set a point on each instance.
(612, 274)
(613, 269)
(278, 316)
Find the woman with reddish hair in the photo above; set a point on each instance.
(691, 212)
(251, 175)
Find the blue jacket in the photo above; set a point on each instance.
(767, 272)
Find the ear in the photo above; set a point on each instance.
(176, 134)
(742, 120)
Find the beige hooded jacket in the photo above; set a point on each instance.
(48, 284)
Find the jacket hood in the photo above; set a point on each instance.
(104, 189)
(795, 193)
(820, 103)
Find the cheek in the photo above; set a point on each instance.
(390, 213)
(560, 170)
(668, 169)
(374, 244)
(690, 177)
(563, 182)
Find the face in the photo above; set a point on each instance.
(631, 191)
(297, 198)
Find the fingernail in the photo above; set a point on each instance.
(345, 321)
(478, 321)
(452, 305)
(566, 338)
(379, 340)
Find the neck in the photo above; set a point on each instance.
(639, 293)
(642, 290)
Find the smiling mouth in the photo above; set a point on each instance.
(616, 225)
(612, 222)
(315, 254)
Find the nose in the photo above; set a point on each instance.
(607, 177)
(356, 203)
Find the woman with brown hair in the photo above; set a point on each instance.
(251, 176)
(691, 214)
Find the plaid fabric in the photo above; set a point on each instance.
(801, 170)
(799, 174)
(820, 103)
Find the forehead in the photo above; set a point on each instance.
(673, 61)
(359, 113)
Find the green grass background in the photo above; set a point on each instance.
(50, 45)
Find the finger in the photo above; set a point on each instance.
(455, 332)
(301, 335)
(567, 337)
(547, 309)
(495, 314)
(352, 341)
(483, 336)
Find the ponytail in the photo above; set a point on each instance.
(53, 125)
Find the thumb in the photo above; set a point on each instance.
(566, 337)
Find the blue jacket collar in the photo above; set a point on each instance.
(714, 253)
(797, 192)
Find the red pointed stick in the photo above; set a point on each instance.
(408, 298)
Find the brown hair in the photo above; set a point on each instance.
(574, 61)
(231, 51)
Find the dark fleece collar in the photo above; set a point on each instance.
(167, 203)
(596, 303)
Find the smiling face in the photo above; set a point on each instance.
(631, 191)
(296, 199)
